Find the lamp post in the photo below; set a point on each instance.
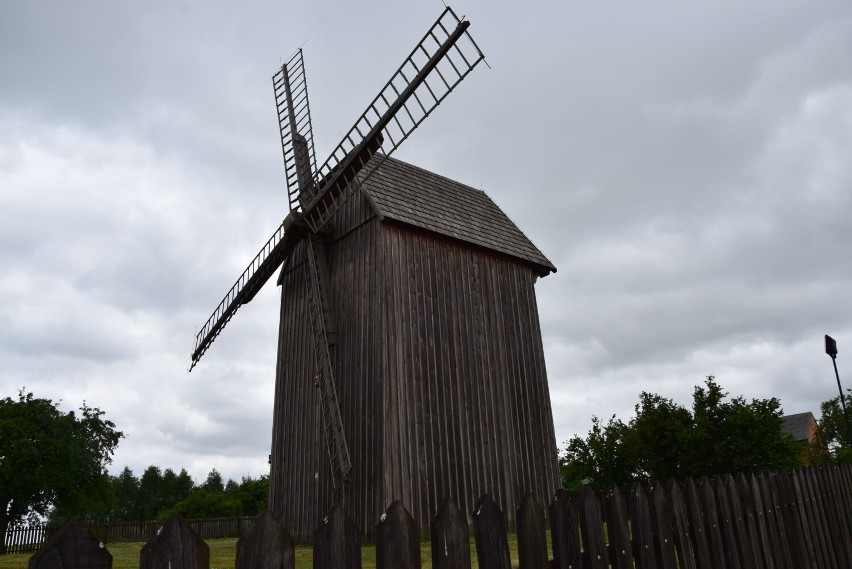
(831, 350)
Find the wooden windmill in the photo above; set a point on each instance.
(410, 360)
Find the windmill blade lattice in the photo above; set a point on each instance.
(439, 62)
(294, 126)
(445, 56)
(263, 266)
(338, 450)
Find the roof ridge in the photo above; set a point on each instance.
(416, 196)
(433, 174)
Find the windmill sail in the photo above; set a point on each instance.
(439, 62)
(338, 450)
(294, 126)
(445, 56)
(262, 267)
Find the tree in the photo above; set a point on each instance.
(213, 499)
(176, 487)
(600, 458)
(253, 494)
(832, 431)
(665, 440)
(214, 482)
(206, 504)
(736, 435)
(52, 459)
(658, 434)
(125, 491)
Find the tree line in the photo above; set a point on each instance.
(158, 493)
(718, 435)
(50, 459)
(53, 464)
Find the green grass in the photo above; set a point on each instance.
(223, 553)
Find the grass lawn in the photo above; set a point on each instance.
(223, 553)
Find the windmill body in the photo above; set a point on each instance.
(438, 360)
(410, 360)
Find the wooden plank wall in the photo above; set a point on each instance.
(301, 489)
(466, 405)
(440, 375)
(298, 449)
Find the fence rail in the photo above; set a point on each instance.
(27, 539)
(784, 520)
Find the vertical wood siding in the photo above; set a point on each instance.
(300, 479)
(466, 405)
(440, 376)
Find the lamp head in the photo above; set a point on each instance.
(830, 346)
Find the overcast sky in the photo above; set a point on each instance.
(686, 166)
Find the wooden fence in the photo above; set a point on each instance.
(784, 520)
(26, 539)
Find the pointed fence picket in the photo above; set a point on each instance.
(778, 520)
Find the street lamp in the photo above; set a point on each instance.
(831, 350)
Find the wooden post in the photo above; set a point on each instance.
(265, 545)
(661, 517)
(450, 538)
(778, 537)
(489, 527)
(725, 519)
(71, 547)
(811, 523)
(800, 547)
(712, 527)
(822, 519)
(532, 535)
(762, 526)
(643, 531)
(397, 539)
(699, 531)
(564, 532)
(591, 527)
(838, 521)
(749, 556)
(337, 542)
(175, 546)
(620, 549)
(681, 527)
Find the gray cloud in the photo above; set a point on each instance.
(686, 168)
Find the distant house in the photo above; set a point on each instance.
(801, 426)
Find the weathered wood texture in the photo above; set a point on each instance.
(440, 374)
(337, 542)
(489, 528)
(532, 537)
(450, 538)
(564, 531)
(175, 546)
(397, 539)
(267, 545)
(72, 547)
(655, 527)
(466, 406)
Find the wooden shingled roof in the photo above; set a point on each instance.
(407, 194)
(800, 425)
